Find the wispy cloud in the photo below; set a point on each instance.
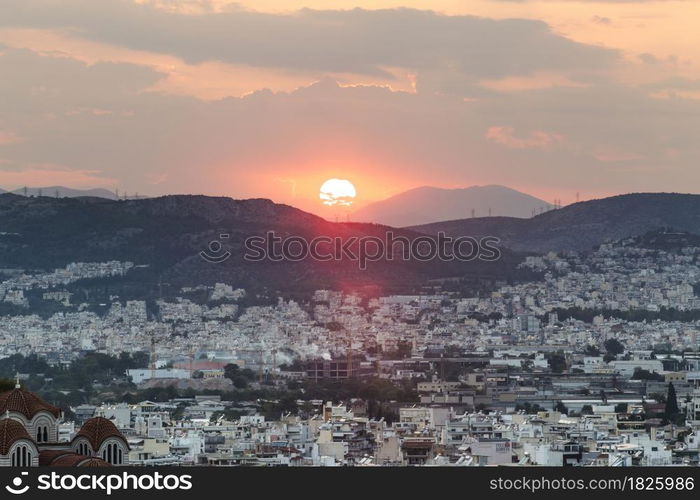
(536, 139)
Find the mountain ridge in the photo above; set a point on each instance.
(582, 225)
(62, 192)
(168, 234)
(428, 204)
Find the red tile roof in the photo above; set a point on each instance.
(10, 431)
(75, 460)
(25, 402)
(66, 458)
(47, 456)
(97, 429)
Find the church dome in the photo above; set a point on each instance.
(97, 430)
(27, 403)
(11, 431)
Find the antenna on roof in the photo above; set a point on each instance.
(17, 380)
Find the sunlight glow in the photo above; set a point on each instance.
(337, 192)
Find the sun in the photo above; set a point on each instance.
(337, 193)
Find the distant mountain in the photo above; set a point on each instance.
(430, 204)
(168, 233)
(64, 192)
(583, 225)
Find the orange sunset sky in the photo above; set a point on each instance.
(270, 98)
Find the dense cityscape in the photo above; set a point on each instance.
(594, 362)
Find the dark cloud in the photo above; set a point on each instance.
(355, 41)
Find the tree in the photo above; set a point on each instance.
(591, 350)
(240, 382)
(641, 374)
(307, 409)
(614, 347)
(671, 410)
(231, 371)
(288, 404)
(6, 384)
(561, 408)
(228, 414)
(178, 412)
(403, 349)
(621, 408)
(557, 362)
(529, 408)
(587, 410)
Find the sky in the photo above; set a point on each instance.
(269, 98)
